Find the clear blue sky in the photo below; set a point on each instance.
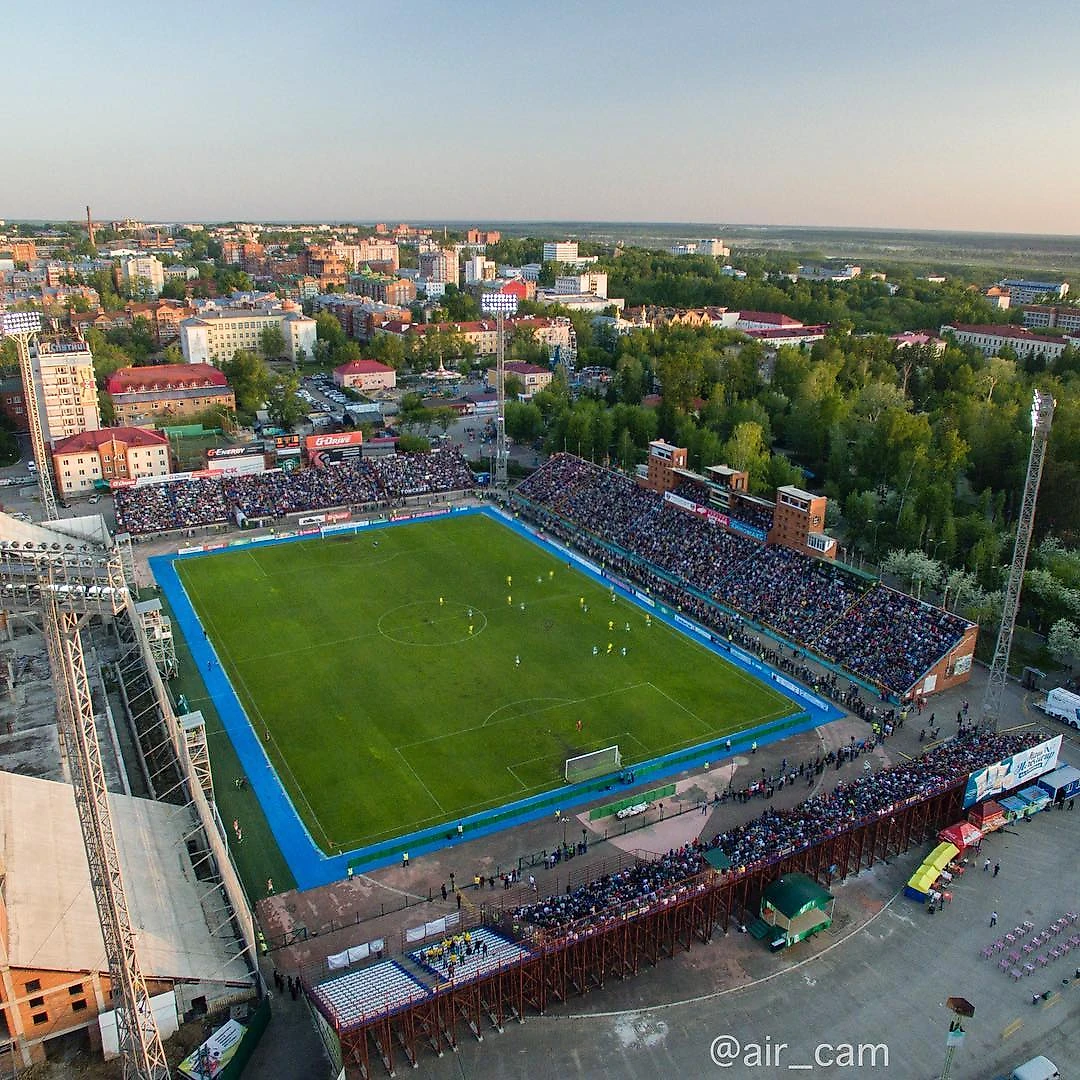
(841, 112)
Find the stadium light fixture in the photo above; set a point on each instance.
(20, 322)
(496, 303)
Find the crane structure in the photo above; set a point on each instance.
(1042, 418)
(22, 327)
(500, 305)
(67, 584)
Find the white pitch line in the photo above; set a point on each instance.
(442, 809)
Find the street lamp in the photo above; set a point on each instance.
(500, 305)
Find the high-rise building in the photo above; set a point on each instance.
(67, 393)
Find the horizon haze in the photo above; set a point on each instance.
(842, 117)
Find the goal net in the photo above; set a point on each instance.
(596, 763)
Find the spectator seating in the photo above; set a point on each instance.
(384, 987)
(877, 633)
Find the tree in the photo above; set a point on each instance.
(272, 342)
(328, 329)
(746, 451)
(284, 404)
(524, 421)
(250, 380)
(174, 289)
(1063, 641)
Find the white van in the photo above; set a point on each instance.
(1038, 1068)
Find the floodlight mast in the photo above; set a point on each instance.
(500, 305)
(1042, 418)
(22, 327)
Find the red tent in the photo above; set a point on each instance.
(963, 835)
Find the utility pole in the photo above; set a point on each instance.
(500, 305)
(1042, 418)
(22, 327)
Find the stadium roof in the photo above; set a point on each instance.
(52, 919)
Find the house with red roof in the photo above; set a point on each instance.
(365, 375)
(118, 456)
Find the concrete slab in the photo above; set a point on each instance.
(53, 921)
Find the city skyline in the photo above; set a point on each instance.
(784, 115)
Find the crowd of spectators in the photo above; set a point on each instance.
(780, 832)
(777, 833)
(199, 501)
(883, 636)
(190, 504)
(610, 894)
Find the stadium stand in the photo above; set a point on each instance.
(199, 501)
(881, 635)
(380, 988)
(463, 956)
(775, 833)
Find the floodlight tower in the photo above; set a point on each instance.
(500, 305)
(68, 588)
(1042, 417)
(22, 327)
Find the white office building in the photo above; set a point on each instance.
(215, 334)
(564, 251)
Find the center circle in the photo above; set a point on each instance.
(431, 623)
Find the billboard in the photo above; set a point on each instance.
(217, 452)
(328, 449)
(1012, 772)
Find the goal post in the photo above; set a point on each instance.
(596, 763)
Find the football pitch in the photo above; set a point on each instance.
(405, 677)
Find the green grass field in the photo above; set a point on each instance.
(386, 714)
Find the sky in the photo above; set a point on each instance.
(909, 114)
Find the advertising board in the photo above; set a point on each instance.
(1012, 772)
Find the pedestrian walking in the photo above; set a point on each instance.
(404, 860)
(458, 901)
(269, 886)
(997, 867)
(444, 890)
(993, 918)
(753, 747)
(294, 988)
(986, 865)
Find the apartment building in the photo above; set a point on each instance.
(564, 251)
(141, 276)
(217, 333)
(385, 288)
(1044, 316)
(1022, 291)
(991, 339)
(121, 454)
(439, 266)
(67, 393)
(163, 392)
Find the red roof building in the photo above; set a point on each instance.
(365, 375)
(114, 455)
(168, 391)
